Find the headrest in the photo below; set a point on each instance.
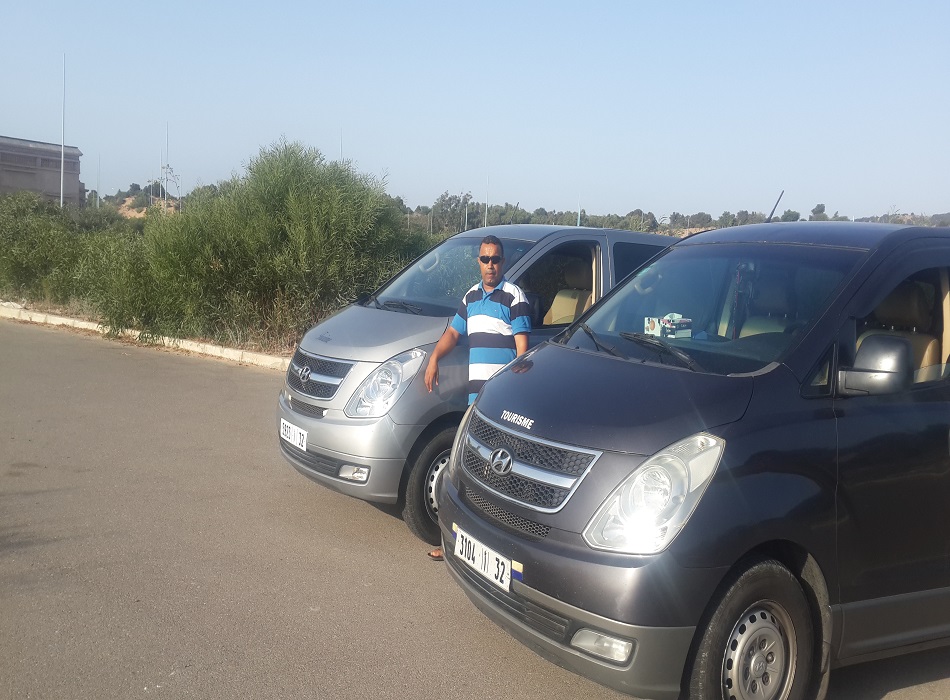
(906, 307)
(577, 274)
(770, 296)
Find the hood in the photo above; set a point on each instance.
(367, 334)
(605, 403)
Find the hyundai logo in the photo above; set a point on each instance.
(304, 374)
(500, 461)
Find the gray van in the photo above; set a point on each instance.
(350, 415)
(730, 476)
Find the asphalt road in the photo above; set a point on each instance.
(153, 543)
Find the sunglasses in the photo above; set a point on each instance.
(493, 259)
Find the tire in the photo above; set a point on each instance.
(758, 643)
(421, 508)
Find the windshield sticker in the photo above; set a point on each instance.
(669, 326)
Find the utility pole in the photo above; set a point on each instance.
(62, 152)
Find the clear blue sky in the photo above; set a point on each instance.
(665, 106)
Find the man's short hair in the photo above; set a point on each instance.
(493, 240)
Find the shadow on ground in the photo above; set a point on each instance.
(878, 679)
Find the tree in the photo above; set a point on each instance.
(727, 218)
(448, 213)
(790, 215)
(818, 213)
(700, 220)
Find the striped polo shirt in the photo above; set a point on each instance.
(491, 321)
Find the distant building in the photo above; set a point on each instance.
(35, 166)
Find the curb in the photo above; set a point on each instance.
(241, 356)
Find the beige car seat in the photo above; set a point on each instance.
(769, 308)
(905, 313)
(571, 302)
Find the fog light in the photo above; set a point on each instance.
(348, 471)
(599, 644)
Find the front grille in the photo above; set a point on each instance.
(513, 486)
(503, 517)
(543, 474)
(539, 454)
(312, 461)
(323, 375)
(548, 623)
(322, 365)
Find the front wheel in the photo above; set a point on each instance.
(422, 496)
(758, 644)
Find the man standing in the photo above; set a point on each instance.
(495, 316)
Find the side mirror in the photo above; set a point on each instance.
(883, 365)
(362, 298)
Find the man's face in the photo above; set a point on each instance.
(492, 270)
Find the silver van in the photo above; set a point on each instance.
(350, 415)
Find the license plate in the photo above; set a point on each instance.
(294, 435)
(484, 560)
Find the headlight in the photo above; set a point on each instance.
(382, 388)
(646, 512)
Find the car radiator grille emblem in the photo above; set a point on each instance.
(500, 461)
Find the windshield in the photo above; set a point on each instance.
(434, 284)
(717, 308)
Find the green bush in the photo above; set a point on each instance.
(253, 261)
(38, 248)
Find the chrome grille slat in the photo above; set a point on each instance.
(325, 374)
(539, 454)
(543, 474)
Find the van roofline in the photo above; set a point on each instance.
(536, 232)
(842, 234)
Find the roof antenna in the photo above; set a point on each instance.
(769, 220)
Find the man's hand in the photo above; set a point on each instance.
(432, 373)
(445, 345)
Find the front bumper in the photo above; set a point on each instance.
(335, 441)
(547, 624)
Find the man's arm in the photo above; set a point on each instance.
(521, 344)
(446, 344)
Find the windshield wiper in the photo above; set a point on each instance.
(601, 345)
(405, 306)
(657, 343)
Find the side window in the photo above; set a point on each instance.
(629, 256)
(560, 285)
(914, 309)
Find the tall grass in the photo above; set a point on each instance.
(254, 263)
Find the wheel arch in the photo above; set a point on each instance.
(805, 568)
(435, 427)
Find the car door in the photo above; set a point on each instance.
(893, 498)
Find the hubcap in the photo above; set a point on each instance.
(432, 483)
(760, 657)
